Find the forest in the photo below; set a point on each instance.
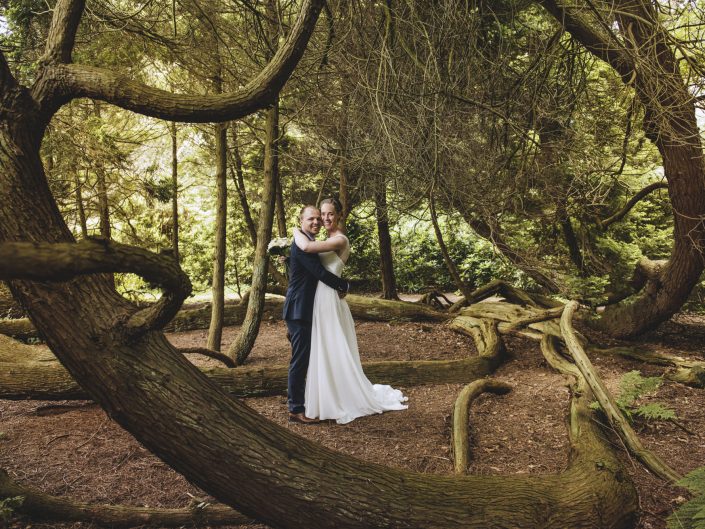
(522, 184)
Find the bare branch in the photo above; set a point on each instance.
(64, 261)
(73, 81)
(619, 215)
(62, 33)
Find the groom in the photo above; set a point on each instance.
(305, 271)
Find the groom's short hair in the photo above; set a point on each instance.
(304, 208)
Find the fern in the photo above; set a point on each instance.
(8, 506)
(655, 411)
(691, 515)
(632, 387)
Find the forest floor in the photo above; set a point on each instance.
(73, 449)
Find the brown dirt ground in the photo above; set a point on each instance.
(72, 449)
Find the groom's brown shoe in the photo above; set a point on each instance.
(300, 417)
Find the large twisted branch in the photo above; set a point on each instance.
(64, 261)
(62, 82)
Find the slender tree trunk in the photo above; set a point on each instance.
(103, 206)
(239, 180)
(551, 132)
(464, 288)
(105, 231)
(571, 241)
(343, 163)
(174, 192)
(243, 343)
(386, 263)
(215, 332)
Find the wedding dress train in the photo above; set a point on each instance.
(336, 386)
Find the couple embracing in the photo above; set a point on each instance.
(326, 380)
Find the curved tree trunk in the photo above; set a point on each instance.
(670, 123)
(240, 349)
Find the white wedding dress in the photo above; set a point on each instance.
(336, 386)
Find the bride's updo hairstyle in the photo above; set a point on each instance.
(336, 204)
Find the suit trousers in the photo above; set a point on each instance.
(300, 336)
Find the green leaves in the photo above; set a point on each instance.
(634, 386)
(8, 506)
(691, 515)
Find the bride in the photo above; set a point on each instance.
(336, 386)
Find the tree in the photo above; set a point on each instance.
(124, 362)
(641, 51)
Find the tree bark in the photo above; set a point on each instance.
(215, 331)
(386, 260)
(459, 418)
(608, 405)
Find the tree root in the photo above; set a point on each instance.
(609, 407)
(29, 372)
(362, 308)
(682, 370)
(593, 482)
(459, 436)
(44, 507)
(510, 293)
(210, 353)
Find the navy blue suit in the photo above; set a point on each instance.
(305, 271)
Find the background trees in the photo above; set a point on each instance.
(528, 126)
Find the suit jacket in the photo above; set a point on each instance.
(305, 271)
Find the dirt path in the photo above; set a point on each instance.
(75, 450)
